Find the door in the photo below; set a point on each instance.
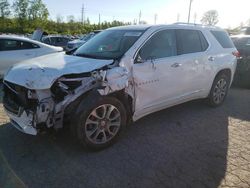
(14, 51)
(191, 48)
(163, 74)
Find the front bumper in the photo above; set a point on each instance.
(23, 122)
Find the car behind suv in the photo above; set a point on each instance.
(242, 74)
(122, 74)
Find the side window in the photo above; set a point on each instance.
(27, 45)
(204, 43)
(51, 40)
(223, 38)
(160, 45)
(46, 40)
(8, 45)
(190, 41)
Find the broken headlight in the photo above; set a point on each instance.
(64, 87)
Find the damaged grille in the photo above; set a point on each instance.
(15, 98)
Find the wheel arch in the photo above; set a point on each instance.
(121, 95)
(226, 71)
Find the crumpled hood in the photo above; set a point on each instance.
(41, 72)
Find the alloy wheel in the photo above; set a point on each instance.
(220, 91)
(103, 124)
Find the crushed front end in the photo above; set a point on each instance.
(33, 110)
(29, 110)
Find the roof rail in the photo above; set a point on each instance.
(185, 23)
(194, 24)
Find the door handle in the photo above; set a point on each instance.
(153, 64)
(211, 58)
(175, 65)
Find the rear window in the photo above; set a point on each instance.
(223, 38)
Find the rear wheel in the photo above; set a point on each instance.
(101, 122)
(219, 90)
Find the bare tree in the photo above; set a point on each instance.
(4, 8)
(210, 17)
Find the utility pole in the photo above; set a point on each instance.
(99, 21)
(139, 21)
(190, 5)
(178, 17)
(155, 18)
(83, 14)
(195, 16)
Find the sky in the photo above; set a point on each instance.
(231, 13)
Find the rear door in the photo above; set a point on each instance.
(192, 50)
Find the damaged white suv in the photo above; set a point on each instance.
(122, 74)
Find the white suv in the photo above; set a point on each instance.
(122, 74)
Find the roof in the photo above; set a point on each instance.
(177, 25)
(15, 37)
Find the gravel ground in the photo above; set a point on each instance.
(190, 145)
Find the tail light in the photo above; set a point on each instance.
(236, 54)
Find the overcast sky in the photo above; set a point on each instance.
(231, 13)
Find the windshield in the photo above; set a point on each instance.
(109, 44)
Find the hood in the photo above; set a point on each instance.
(40, 73)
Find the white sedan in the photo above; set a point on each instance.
(14, 49)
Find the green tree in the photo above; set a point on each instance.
(210, 18)
(38, 14)
(4, 9)
(20, 8)
(38, 10)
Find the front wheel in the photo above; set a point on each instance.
(219, 90)
(101, 122)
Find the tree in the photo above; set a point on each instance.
(21, 9)
(210, 18)
(4, 9)
(59, 18)
(71, 19)
(21, 14)
(38, 10)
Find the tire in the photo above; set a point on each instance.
(100, 121)
(219, 90)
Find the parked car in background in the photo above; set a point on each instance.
(245, 31)
(122, 74)
(14, 49)
(75, 44)
(60, 41)
(242, 75)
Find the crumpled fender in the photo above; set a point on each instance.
(115, 79)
